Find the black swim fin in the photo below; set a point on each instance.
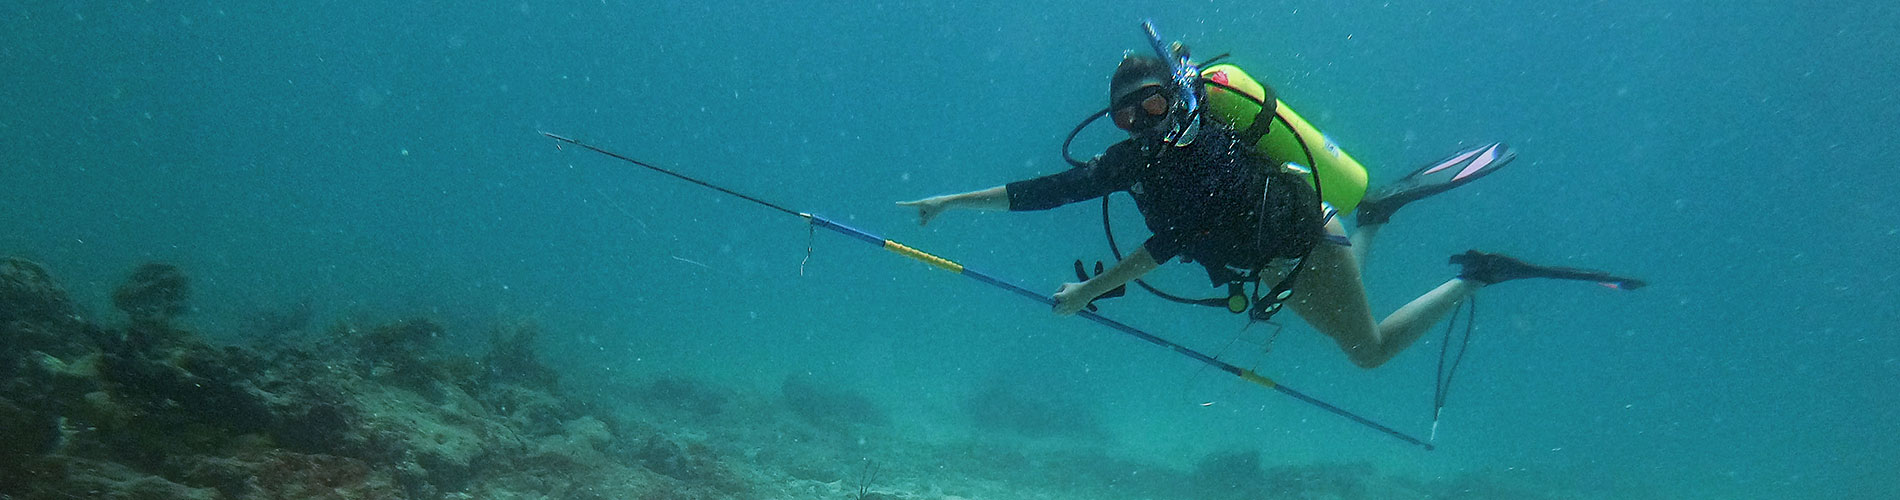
(1438, 177)
(1491, 268)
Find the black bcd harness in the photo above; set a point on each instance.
(1259, 306)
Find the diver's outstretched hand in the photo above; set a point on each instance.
(927, 208)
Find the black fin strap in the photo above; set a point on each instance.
(1443, 385)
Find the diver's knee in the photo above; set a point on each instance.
(1365, 359)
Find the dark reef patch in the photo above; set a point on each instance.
(826, 404)
(151, 410)
(155, 293)
(28, 293)
(1003, 407)
(690, 397)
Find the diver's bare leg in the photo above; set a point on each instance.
(1362, 243)
(1331, 296)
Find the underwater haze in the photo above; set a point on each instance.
(367, 162)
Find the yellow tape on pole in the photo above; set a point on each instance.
(940, 262)
(1250, 376)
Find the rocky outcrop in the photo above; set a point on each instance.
(150, 410)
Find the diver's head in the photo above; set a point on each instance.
(1140, 97)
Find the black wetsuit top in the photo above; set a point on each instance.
(1203, 202)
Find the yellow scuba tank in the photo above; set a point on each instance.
(1342, 179)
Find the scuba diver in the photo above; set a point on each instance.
(1209, 194)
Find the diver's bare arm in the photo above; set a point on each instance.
(1074, 296)
(1134, 266)
(996, 198)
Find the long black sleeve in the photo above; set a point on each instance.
(1054, 190)
(1108, 173)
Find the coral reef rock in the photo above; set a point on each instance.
(28, 293)
(155, 293)
(151, 410)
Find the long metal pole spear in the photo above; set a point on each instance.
(952, 266)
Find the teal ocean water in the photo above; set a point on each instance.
(382, 160)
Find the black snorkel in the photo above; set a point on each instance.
(1186, 84)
